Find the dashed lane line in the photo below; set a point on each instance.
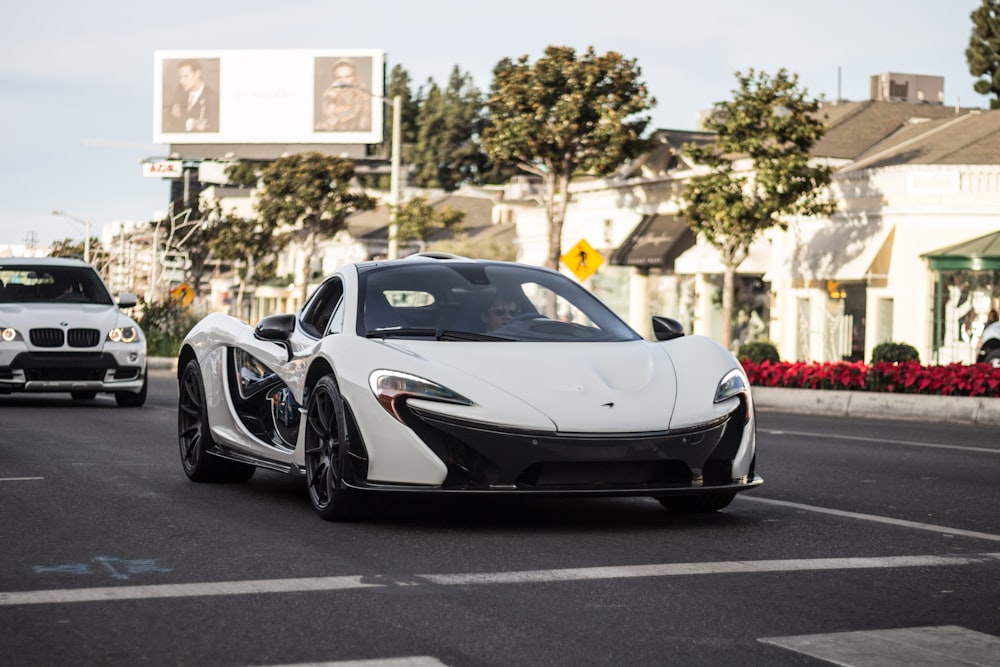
(903, 523)
(309, 585)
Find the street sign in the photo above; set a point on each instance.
(582, 260)
(183, 294)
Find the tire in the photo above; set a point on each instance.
(326, 445)
(709, 502)
(83, 395)
(128, 399)
(993, 357)
(194, 436)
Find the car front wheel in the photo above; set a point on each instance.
(993, 357)
(128, 399)
(195, 438)
(326, 444)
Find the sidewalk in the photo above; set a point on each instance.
(860, 404)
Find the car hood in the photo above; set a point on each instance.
(62, 316)
(586, 387)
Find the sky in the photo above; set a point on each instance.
(76, 78)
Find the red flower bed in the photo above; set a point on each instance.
(907, 377)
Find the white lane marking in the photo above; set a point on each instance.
(306, 585)
(941, 646)
(903, 523)
(409, 661)
(859, 438)
(20, 479)
(211, 588)
(686, 569)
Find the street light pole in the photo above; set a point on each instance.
(86, 239)
(397, 134)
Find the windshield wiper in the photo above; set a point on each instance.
(426, 332)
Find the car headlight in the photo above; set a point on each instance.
(9, 335)
(123, 335)
(392, 386)
(734, 384)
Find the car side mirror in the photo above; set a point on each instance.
(277, 329)
(667, 328)
(127, 300)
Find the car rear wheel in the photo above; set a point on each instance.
(128, 399)
(195, 438)
(83, 395)
(326, 443)
(710, 502)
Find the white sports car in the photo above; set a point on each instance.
(61, 331)
(436, 373)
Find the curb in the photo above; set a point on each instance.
(880, 405)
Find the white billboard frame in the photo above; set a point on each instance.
(284, 96)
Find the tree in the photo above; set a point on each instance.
(447, 152)
(565, 116)
(983, 54)
(418, 219)
(759, 171)
(248, 243)
(309, 195)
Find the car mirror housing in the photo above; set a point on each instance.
(667, 328)
(278, 329)
(127, 300)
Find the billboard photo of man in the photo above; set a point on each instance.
(193, 105)
(343, 95)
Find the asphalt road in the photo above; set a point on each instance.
(870, 540)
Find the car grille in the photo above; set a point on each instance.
(74, 337)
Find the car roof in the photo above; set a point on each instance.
(14, 262)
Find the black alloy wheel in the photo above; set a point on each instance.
(326, 444)
(195, 438)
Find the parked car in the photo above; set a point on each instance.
(439, 374)
(989, 345)
(61, 331)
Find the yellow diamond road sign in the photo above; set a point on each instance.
(582, 259)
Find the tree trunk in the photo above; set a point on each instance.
(556, 213)
(728, 287)
(310, 247)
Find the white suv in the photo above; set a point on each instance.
(61, 331)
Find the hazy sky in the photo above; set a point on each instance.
(76, 78)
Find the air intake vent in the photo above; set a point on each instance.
(46, 337)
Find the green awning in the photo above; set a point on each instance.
(980, 254)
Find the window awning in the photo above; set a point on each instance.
(831, 250)
(979, 254)
(703, 258)
(655, 242)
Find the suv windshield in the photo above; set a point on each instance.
(482, 302)
(44, 283)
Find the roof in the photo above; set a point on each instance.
(855, 127)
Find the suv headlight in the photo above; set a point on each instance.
(123, 335)
(10, 334)
(392, 386)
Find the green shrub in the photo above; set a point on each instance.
(165, 324)
(758, 352)
(894, 353)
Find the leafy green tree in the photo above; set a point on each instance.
(306, 197)
(72, 248)
(249, 244)
(983, 54)
(447, 152)
(759, 171)
(563, 116)
(418, 219)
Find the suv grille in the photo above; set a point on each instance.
(46, 337)
(83, 337)
(74, 337)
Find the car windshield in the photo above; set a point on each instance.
(50, 284)
(473, 301)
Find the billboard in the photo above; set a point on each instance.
(294, 96)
